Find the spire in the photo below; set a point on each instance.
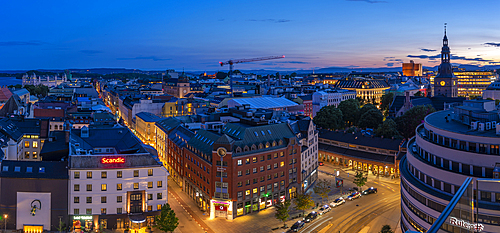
(445, 39)
(445, 51)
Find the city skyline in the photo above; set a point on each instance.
(196, 35)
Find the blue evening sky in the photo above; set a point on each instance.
(197, 34)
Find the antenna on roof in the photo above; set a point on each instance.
(445, 28)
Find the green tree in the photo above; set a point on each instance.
(166, 221)
(371, 119)
(364, 109)
(361, 101)
(386, 101)
(303, 202)
(221, 75)
(412, 118)
(386, 229)
(282, 211)
(62, 226)
(322, 188)
(38, 90)
(329, 117)
(388, 129)
(349, 110)
(293, 75)
(360, 179)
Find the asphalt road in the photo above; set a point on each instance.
(186, 222)
(354, 216)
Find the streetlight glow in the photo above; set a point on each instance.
(5, 216)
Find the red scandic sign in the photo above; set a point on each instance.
(221, 207)
(113, 160)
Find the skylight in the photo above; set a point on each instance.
(263, 134)
(269, 131)
(256, 134)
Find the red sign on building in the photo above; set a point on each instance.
(113, 160)
(221, 207)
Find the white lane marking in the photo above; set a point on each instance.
(321, 222)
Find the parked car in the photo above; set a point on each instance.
(321, 163)
(296, 226)
(325, 209)
(370, 190)
(337, 202)
(311, 216)
(353, 196)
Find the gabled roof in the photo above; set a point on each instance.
(148, 117)
(204, 141)
(5, 94)
(168, 124)
(119, 138)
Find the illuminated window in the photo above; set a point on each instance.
(103, 199)
(150, 185)
(118, 186)
(239, 162)
(76, 200)
(35, 144)
(150, 208)
(254, 190)
(159, 196)
(150, 196)
(136, 173)
(247, 192)
(150, 172)
(159, 184)
(282, 164)
(89, 175)
(89, 187)
(119, 199)
(136, 185)
(104, 175)
(35, 155)
(76, 175)
(254, 159)
(27, 155)
(77, 187)
(103, 210)
(26, 144)
(158, 207)
(118, 174)
(104, 187)
(119, 210)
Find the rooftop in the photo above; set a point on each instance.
(360, 139)
(438, 120)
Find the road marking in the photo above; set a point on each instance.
(321, 222)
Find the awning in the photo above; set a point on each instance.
(137, 218)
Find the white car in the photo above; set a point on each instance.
(325, 209)
(337, 202)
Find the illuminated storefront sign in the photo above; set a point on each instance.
(221, 207)
(83, 217)
(478, 227)
(113, 160)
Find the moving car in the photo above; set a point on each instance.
(325, 209)
(370, 190)
(337, 202)
(296, 226)
(353, 196)
(311, 216)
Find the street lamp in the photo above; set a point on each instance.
(5, 222)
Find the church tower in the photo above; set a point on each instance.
(445, 83)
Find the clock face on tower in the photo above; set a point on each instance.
(184, 91)
(442, 83)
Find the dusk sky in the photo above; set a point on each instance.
(196, 35)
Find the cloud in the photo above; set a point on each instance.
(153, 58)
(425, 56)
(367, 1)
(453, 57)
(492, 44)
(21, 43)
(428, 50)
(294, 62)
(90, 51)
(388, 57)
(270, 20)
(389, 64)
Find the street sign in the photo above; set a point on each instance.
(220, 169)
(339, 182)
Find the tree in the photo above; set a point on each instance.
(371, 119)
(62, 226)
(166, 221)
(322, 188)
(349, 110)
(221, 75)
(388, 129)
(329, 117)
(293, 75)
(361, 101)
(386, 229)
(412, 118)
(303, 202)
(360, 179)
(282, 211)
(364, 109)
(38, 90)
(386, 101)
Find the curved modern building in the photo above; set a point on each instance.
(450, 146)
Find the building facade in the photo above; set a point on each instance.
(412, 69)
(450, 146)
(445, 83)
(321, 99)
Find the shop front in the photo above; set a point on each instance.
(221, 209)
(83, 223)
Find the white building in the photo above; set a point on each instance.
(449, 147)
(493, 91)
(330, 97)
(46, 80)
(114, 181)
(308, 140)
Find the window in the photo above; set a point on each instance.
(29, 169)
(89, 187)
(118, 186)
(276, 155)
(239, 173)
(240, 194)
(118, 174)
(41, 169)
(103, 199)
(247, 171)
(5, 168)
(35, 144)
(118, 199)
(150, 185)
(254, 159)
(89, 199)
(262, 158)
(268, 157)
(248, 182)
(254, 191)
(76, 211)
(150, 172)
(150, 208)
(76, 200)
(261, 168)
(282, 164)
(103, 210)
(136, 173)
(239, 162)
(136, 185)
(254, 170)
(247, 192)
(104, 187)
(27, 155)
(119, 210)
(88, 211)
(269, 167)
(247, 161)
(150, 196)
(89, 175)
(240, 184)
(35, 155)
(159, 184)
(76, 175)
(26, 144)
(275, 165)
(77, 187)
(159, 196)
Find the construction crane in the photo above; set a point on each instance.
(232, 62)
